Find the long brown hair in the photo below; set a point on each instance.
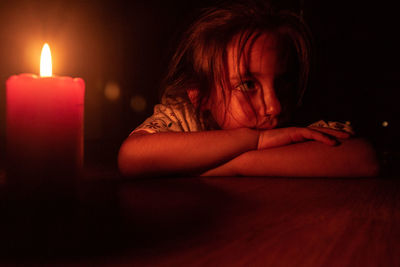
(200, 59)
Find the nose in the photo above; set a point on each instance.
(272, 105)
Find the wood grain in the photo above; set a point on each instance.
(268, 222)
(228, 221)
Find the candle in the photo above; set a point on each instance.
(44, 127)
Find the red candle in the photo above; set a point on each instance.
(44, 126)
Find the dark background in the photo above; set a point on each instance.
(122, 48)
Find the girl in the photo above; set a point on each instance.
(232, 86)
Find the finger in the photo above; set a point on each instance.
(319, 136)
(335, 133)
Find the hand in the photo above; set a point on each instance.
(286, 136)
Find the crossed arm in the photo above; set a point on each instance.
(279, 152)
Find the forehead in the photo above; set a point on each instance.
(260, 53)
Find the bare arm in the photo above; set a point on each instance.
(352, 158)
(178, 152)
(197, 152)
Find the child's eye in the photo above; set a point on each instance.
(247, 86)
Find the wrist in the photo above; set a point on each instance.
(251, 136)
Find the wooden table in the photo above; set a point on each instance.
(230, 221)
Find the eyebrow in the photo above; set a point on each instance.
(244, 76)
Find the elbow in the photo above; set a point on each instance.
(368, 163)
(123, 160)
(370, 168)
(373, 168)
(128, 162)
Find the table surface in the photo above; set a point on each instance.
(221, 221)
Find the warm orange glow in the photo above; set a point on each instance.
(45, 62)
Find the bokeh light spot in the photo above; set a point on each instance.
(385, 124)
(112, 91)
(138, 103)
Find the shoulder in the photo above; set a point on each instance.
(172, 115)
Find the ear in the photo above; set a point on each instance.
(193, 94)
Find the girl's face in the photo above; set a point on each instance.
(250, 100)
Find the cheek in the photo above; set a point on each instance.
(242, 110)
(237, 111)
(248, 104)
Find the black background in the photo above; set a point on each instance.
(355, 78)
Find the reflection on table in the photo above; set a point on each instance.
(230, 221)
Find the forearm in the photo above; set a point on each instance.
(165, 153)
(352, 158)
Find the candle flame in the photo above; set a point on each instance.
(45, 62)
